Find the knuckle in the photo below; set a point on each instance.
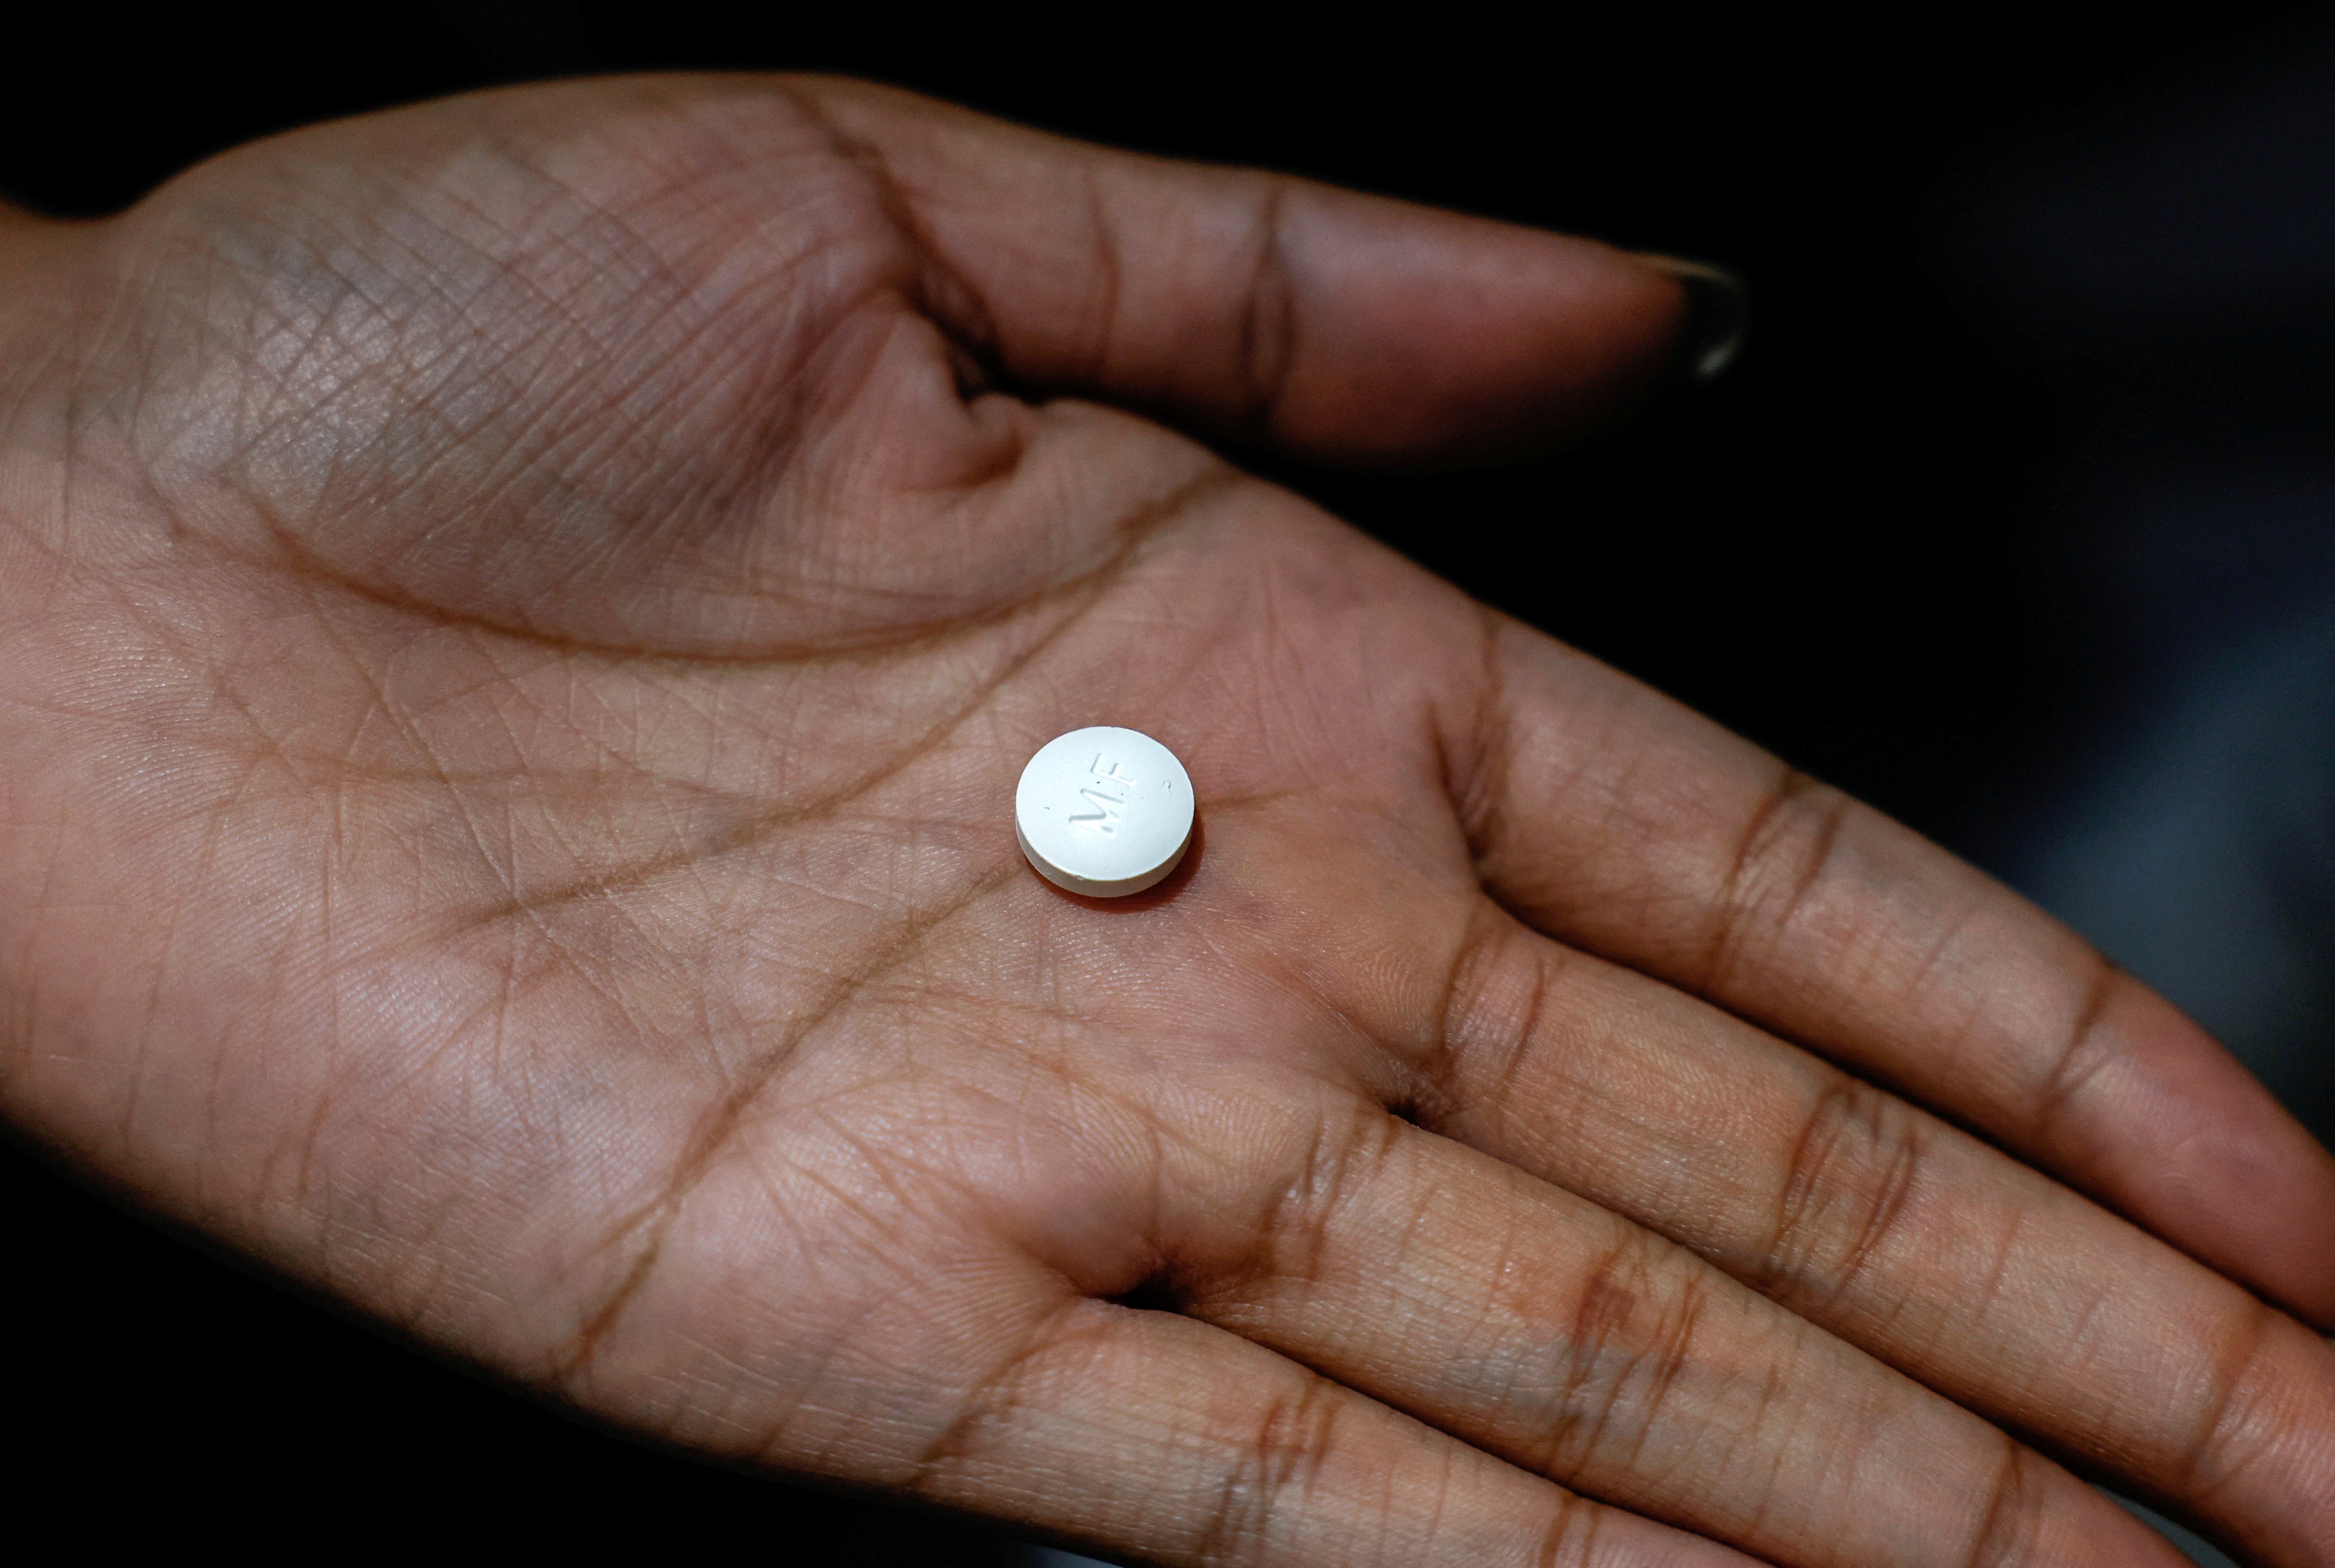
(1777, 865)
(1280, 1234)
(1266, 339)
(1276, 1460)
(2083, 1051)
(1851, 1175)
(1570, 1539)
(2259, 1453)
(1630, 1339)
(2009, 1524)
(2228, 1429)
(1499, 993)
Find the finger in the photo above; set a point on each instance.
(1576, 1345)
(1147, 1433)
(1973, 1273)
(1615, 820)
(1336, 325)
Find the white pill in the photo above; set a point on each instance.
(1103, 811)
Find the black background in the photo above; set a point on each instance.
(1859, 547)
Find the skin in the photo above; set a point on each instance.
(519, 619)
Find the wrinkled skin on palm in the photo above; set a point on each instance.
(519, 619)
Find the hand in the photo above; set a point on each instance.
(522, 619)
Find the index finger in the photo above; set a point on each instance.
(1617, 822)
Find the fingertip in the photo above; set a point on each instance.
(1711, 327)
(1430, 337)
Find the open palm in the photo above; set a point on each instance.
(519, 620)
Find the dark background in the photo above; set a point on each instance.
(2017, 517)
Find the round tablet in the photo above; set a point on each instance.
(1103, 811)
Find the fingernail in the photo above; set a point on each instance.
(1717, 307)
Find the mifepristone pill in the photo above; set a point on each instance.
(1103, 811)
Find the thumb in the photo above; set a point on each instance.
(1335, 326)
